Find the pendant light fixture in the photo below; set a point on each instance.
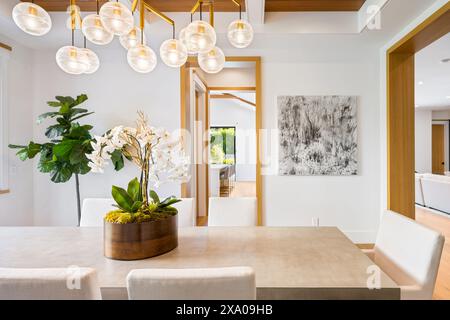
(240, 32)
(116, 18)
(94, 30)
(141, 57)
(200, 36)
(132, 38)
(212, 61)
(71, 59)
(92, 59)
(31, 18)
(173, 52)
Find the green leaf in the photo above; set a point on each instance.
(55, 131)
(54, 104)
(122, 198)
(82, 116)
(15, 146)
(134, 189)
(33, 149)
(64, 149)
(60, 174)
(117, 160)
(135, 207)
(46, 115)
(154, 196)
(22, 154)
(169, 201)
(80, 99)
(65, 100)
(77, 154)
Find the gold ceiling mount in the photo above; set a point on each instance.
(145, 6)
(199, 5)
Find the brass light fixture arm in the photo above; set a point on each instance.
(238, 3)
(199, 4)
(145, 6)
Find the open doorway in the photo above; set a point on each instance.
(222, 112)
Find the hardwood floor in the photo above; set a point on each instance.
(442, 224)
(244, 189)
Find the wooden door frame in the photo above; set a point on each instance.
(401, 109)
(442, 127)
(184, 85)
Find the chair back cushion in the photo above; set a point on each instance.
(94, 210)
(186, 212)
(235, 283)
(232, 212)
(49, 284)
(411, 248)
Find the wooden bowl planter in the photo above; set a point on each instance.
(136, 241)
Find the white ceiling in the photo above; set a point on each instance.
(433, 76)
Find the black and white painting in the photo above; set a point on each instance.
(317, 135)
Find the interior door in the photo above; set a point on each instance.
(438, 149)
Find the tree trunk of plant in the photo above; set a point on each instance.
(77, 184)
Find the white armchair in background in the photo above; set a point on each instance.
(409, 253)
(232, 212)
(436, 192)
(419, 192)
(235, 283)
(49, 284)
(94, 210)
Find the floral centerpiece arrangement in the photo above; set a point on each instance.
(141, 217)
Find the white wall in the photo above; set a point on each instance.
(227, 112)
(16, 207)
(423, 141)
(351, 203)
(115, 93)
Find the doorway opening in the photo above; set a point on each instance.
(222, 113)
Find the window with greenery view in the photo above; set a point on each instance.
(223, 145)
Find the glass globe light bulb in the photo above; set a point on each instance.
(132, 38)
(31, 18)
(183, 40)
(200, 37)
(240, 33)
(92, 60)
(116, 18)
(173, 53)
(94, 31)
(142, 58)
(72, 60)
(212, 61)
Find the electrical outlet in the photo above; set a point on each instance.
(315, 222)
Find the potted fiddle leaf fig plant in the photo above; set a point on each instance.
(64, 155)
(142, 226)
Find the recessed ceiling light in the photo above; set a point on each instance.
(420, 83)
(447, 97)
(447, 60)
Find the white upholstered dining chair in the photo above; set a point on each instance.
(409, 253)
(94, 210)
(232, 212)
(49, 284)
(234, 283)
(186, 212)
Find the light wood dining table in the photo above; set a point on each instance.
(289, 263)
